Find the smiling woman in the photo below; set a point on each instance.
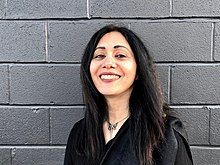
(113, 72)
(126, 122)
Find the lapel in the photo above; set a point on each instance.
(118, 149)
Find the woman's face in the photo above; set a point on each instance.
(113, 67)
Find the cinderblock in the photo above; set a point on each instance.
(41, 45)
(62, 121)
(176, 41)
(22, 41)
(206, 155)
(38, 156)
(195, 84)
(196, 8)
(130, 8)
(67, 40)
(30, 9)
(4, 90)
(215, 127)
(196, 122)
(24, 126)
(45, 84)
(5, 156)
(163, 72)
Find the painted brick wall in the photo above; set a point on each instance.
(41, 43)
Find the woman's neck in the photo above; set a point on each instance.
(118, 108)
(118, 112)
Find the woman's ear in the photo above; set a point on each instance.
(136, 77)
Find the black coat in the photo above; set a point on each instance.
(118, 151)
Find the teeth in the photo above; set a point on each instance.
(109, 77)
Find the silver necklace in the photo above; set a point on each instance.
(112, 127)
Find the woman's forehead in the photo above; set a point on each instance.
(113, 40)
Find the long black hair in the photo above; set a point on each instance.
(145, 102)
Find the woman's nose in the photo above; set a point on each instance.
(109, 62)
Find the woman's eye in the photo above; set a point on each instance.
(120, 55)
(99, 56)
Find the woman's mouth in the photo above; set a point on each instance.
(109, 77)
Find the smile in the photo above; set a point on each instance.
(109, 77)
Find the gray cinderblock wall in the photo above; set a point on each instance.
(40, 49)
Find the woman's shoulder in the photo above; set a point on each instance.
(176, 129)
(75, 131)
(77, 126)
(176, 124)
(172, 121)
(74, 134)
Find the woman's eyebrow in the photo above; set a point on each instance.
(100, 47)
(115, 47)
(120, 46)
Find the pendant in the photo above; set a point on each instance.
(112, 126)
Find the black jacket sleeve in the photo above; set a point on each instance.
(174, 150)
(183, 156)
(68, 154)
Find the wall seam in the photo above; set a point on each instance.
(189, 64)
(32, 146)
(47, 58)
(171, 8)
(78, 63)
(210, 114)
(169, 84)
(9, 84)
(88, 9)
(147, 19)
(213, 42)
(195, 106)
(206, 147)
(42, 106)
(129, 26)
(13, 154)
(50, 125)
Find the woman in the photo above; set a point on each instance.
(125, 121)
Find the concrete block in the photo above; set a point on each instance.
(24, 126)
(62, 121)
(176, 41)
(196, 8)
(2, 8)
(130, 8)
(5, 156)
(22, 41)
(32, 9)
(195, 84)
(196, 122)
(38, 156)
(4, 97)
(67, 40)
(45, 84)
(206, 155)
(217, 42)
(214, 127)
(163, 72)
